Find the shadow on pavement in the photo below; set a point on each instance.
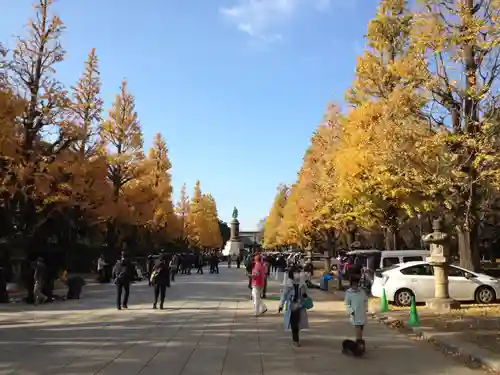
(206, 329)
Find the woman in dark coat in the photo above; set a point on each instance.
(161, 280)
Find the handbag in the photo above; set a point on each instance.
(154, 275)
(307, 303)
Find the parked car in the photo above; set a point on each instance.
(416, 279)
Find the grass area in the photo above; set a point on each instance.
(478, 324)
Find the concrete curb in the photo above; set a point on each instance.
(473, 352)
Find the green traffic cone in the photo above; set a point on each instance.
(414, 321)
(384, 305)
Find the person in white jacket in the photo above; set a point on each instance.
(356, 301)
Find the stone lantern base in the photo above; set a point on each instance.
(442, 305)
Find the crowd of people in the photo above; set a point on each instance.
(161, 270)
(295, 300)
(294, 303)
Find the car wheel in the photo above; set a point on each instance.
(485, 294)
(403, 297)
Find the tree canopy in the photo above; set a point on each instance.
(416, 139)
(74, 172)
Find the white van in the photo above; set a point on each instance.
(388, 258)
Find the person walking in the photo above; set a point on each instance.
(293, 296)
(267, 267)
(40, 278)
(200, 263)
(101, 263)
(356, 301)
(189, 263)
(249, 267)
(150, 267)
(309, 269)
(281, 265)
(217, 260)
(258, 280)
(213, 262)
(174, 263)
(123, 274)
(161, 281)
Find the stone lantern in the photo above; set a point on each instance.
(439, 259)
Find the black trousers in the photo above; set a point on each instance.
(160, 291)
(200, 269)
(173, 271)
(119, 291)
(264, 290)
(294, 324)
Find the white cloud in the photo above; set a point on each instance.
(262, 19)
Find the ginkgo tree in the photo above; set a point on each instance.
(122, 144)
(202, 227)
(210, 232)
(159, 179)
(182, 212)
(271, 238)
(306, 219)
(451, 38)
(377, 161)
(73, 176)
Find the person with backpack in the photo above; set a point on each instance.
(123, 274)
(160, 278)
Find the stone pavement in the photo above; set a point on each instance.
(206, 329)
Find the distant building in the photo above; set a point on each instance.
(251, 239)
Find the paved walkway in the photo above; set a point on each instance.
(206, 329)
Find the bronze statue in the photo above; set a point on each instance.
(235, 213)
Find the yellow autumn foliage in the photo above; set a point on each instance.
(415, 139)
(72, 172)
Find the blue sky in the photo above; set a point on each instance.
(235, 86)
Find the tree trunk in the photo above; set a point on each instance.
(391, 237)
(329, 236)
(468, 231)
(469, 258)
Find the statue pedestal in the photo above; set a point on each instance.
(234, 245)
(232, 248)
